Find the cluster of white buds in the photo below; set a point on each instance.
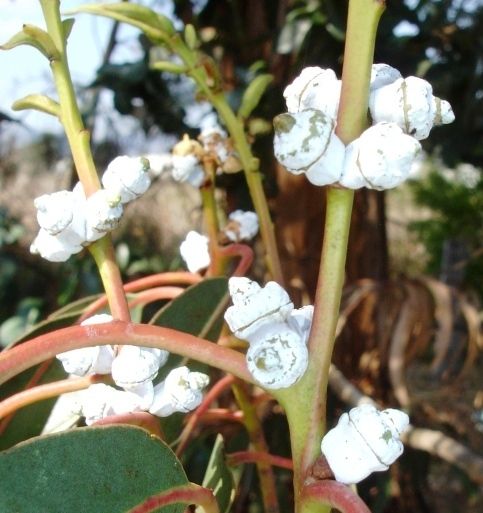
(186, 161)
(365, 440)
(69, 220)
(242, 225)
(194, 251)
(277, 333)
(403, 112)
(132, 368)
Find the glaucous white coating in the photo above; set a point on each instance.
(277, 356)
(186, 168)
(135, 366)
(103, 213)
(100, 401)
(305, 142)
(54, 211)
(409, 102)
(382, 75)
(181, 391)
(300, 320)
(89, 360)
(127, 177)
(243, 225)
(315, 88)
(52, 248)
(254, 306)
(194, 251)
(365, 440)
(381, 158)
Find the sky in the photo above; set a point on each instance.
(23, 70)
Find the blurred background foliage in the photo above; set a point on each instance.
(435, 223)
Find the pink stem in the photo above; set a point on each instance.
(336, 495)
(211, 396)
(41, 392)
(189, 494)
(246, 257)
(155, 294)
(140, 418)
(27, 354)
(155, 280)
(237, 458)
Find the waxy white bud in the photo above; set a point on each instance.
(409, 102)
(277, 356)
(186, 168)
(314, 88)
(127, 177)
(300, 320)
(305, 142)
(194, 251)
(52, 248)
(100, 401)
(89, 360)
(242, 226)
(135, 366)
(382, 75)
(103, 213)
(381, 158)
(365, 440)
(181, 391)
(254, 306)
(54, 211)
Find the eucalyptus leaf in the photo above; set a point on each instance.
(253, 94)
(88, 470)
(219, 478)
(38, 102)
(154, 25)
(33, 36)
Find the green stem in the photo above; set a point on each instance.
(249, 163)
(79, 142)
(257, 439)
(305, 403)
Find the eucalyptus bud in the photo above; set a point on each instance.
(254, 306)
(127, 177)
(365, 440)
(181, 391)
(194, 251)
(381, 158)
(242, 226)
(305, 142)
(382, 75)
(409, 102)
(277, 356)
(314, 88)
(103, 213)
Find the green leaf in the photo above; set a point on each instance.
(38, 102)
(30, 420)
(190, 37)
(219, 478)
(67, 25)
(33, 36)
(91, 470)
(198, 311)
(154, 25)
(253, 94)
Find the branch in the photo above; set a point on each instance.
(189, 494)
(27, 354)
(336, 495)
(237, 458)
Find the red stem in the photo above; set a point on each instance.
(189, 494)
(41, 392)
(140, 418)
(37, 376)
(155, 294)
(27, 354)
(155, 280)
(237, 458)
(336, 495)
(246, 257)
(211, 396)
